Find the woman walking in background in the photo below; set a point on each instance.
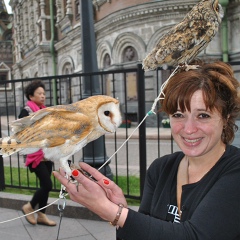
(35, 93)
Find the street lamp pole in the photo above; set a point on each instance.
(95, 152)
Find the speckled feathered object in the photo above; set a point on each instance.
(186, 40)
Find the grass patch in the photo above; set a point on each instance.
(129, 186)
(22, 177)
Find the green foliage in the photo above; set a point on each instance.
(130, 185)
(22, 177)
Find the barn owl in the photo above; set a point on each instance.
(186, 40)
(60, 131)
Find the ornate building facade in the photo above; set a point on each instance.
(48, 33)
(125, 32)
(6, 51)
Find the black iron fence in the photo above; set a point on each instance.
(136, 92)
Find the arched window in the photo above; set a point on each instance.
(5, 74)
(65, 84)
(108, 78)
(106, 61)
(130, 54)
(67, 69)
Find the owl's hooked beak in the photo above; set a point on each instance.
(111, 130)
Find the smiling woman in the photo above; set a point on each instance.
(219, 92)
(194, 130)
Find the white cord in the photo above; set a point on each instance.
(29, 213)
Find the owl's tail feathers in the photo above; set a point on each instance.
(10, 146)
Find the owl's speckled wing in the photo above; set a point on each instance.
(51, 127)
(184, 41)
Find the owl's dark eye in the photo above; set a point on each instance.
(107, 113)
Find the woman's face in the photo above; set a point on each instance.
(38, 96)
(197, 132)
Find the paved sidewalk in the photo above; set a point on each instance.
(70, 228)
(78, 223)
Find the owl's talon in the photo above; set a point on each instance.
(73, 181)
(187, 67)
(71, 178)
(191, 67)
(77, 185)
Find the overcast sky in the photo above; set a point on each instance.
(7, 6)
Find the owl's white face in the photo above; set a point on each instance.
(109, 116)
(217, 8)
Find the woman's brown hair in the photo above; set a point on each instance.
(220, 91)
